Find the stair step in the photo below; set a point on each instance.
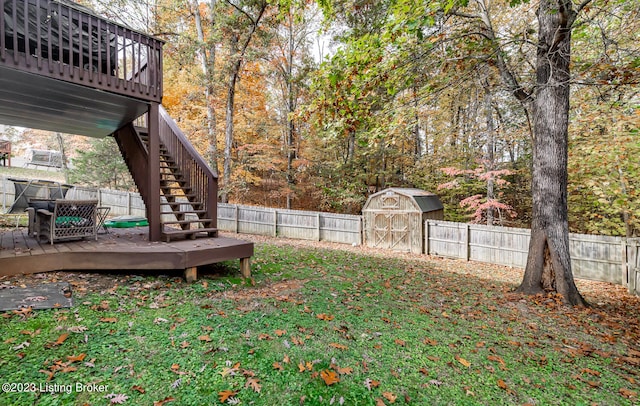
(182, 212)
(179, 203)
(192, 234)
(183, 181)
(182, 222)
(169, 189)
(169, 196)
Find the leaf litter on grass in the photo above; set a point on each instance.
(412, 328)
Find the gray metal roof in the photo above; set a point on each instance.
(428, 203)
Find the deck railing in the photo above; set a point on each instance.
(70, 43)
(196, 172)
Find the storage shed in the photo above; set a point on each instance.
(394, 218)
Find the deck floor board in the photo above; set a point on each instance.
(120, 249)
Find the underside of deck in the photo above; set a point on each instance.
(41, 102)
(120, 249)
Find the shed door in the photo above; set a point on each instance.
(391, 231)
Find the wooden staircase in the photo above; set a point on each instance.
(188, 187)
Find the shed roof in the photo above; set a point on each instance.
(426, 201)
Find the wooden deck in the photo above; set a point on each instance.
(120, 249)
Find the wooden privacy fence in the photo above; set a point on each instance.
(121, 203)
(594, 257)
(304, 225)
(600, 258)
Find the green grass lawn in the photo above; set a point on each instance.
(32, 173)
(323, 327)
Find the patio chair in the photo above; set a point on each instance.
(69, 220)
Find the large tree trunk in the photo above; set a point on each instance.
(291, 151)
(237, 55)
(548, 264)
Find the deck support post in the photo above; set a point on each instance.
(245, 267)
(153, 203)
(191, 274)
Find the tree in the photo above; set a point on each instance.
(290, 65)
(244, 22)
(207, 56)
(548, 263)
(101, 166)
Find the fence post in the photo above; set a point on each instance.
(236, 219)
(318, 222)
(426, 237)
(625, 266)
(465, 242)
(468, 250)
(99, 197)
(275, 222)
(128, 203)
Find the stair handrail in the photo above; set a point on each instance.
(199, 175)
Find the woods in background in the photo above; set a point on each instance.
(412, 95)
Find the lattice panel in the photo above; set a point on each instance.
(74, 220)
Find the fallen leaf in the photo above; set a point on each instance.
(463, 361)
(163, 401)
(276, 365)
(429, 341)
(380, 402)
(629, 394)
(590, 372)
(326, 317)
(399, 342)
(24, 312)
(117, 398)
(344, 371)
(226, 394)
(280, 333)
(496, 359)
(61, 339)
(338, 346)
(329, 377)
(138, 388)
(370, 383)
(205, 338)
(389, 396)
(108, 319)
(502, 384)
(254, 384)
